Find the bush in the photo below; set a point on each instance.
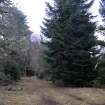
(12, 70)
(30, 73)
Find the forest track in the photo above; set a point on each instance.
(30, 91)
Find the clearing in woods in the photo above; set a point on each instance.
(31, 91)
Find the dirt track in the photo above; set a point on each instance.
(35, 92)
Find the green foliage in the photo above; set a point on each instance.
(12, 70)
(100, 42)
(100, 80)
(14, 41)
(71, 53)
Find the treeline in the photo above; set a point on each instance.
(69, 54)
(14, 42)
(74, 54)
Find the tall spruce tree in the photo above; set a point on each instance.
(71, 53)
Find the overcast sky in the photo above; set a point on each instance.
(35, 11)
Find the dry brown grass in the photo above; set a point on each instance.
(35, 92)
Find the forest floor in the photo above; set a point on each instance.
(31, 91)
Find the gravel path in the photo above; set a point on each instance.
(31, 91)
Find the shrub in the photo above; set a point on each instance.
(30, 73)
(12, 70)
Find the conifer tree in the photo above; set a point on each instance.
(71, 53)
(100, 81)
